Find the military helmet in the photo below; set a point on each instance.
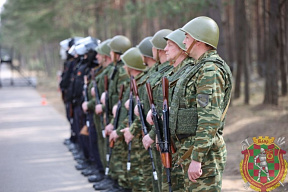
(97, 49)
(145, 47)
(81, 49)
(203, 29)
(65, 44)
(177, 37)
(133, 59)
(157, 40)
(72, 51)
(103, 48)
(120, 44)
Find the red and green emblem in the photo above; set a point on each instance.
(263, 167)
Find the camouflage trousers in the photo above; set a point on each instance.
(102, 143)
(117, 169)
(212, 166)
(136, 172)
(150, 182)
(176, 174)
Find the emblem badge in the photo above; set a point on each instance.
(263, 167)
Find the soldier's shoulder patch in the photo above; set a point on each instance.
(209, 66)
(203, 100)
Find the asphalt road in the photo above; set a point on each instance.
(32, 156)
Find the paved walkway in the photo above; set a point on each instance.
(32, 156)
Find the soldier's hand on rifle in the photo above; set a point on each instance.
(128, 136)
(85, 106)
(113, 136)
(108, 129)
(149, 117)
(147, 141)
(98, 109)
(127, 104)
(103, 98)
(194, 171)
(93, 91)
(136, 112)
(114, 110)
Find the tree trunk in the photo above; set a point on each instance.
(265, 37)
(271, 83)
(283, 69)
(214, 12)
(241, 44)
(260, 69)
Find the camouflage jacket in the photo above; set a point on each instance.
(172, 74)
(198, 101)
(100, 84)
(153, 76)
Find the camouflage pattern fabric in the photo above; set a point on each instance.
(153, 77)
(120, 78)
(212, 166)
(171, 74)
(207, 91)
(91, 105)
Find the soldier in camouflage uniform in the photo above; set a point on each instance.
(117, 77)
(176, 55)
(197, 109)
(153, 75)
(105, 61)
(95, 135)
(134, 67)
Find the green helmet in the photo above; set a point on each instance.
(104, 49)
(133, 59)
(145, 47)
(177, 37)
(203, 29)
(120, 44)
(157, 40)
(97, 49)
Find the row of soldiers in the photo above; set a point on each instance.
(150, 117)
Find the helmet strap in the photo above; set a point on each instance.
(157, 56)
(190, 47)
(176, 57)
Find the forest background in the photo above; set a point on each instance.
(253, 41)
(253, 33)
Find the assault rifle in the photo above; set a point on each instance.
(144, 128)
(155, 117)
(131, 118)
(107, 120)
(97, 101)
(166, 154)
(116, 120)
